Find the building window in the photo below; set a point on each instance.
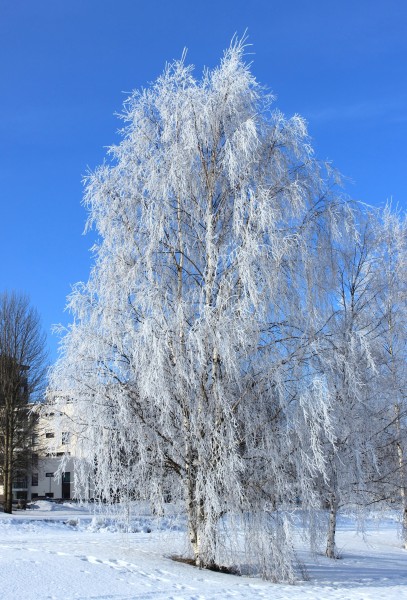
(34, 479)
(50, 434)
(66, 437)
(19, 482)
(34, 495)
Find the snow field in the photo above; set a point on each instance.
(66, 554)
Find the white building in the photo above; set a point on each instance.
(49, 447)
(39, 479)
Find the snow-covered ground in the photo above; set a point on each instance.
(60, 552)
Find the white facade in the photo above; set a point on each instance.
(49, 447)
(41, 478)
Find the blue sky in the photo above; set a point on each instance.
(66, 67)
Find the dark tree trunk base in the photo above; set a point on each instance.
(216, 568)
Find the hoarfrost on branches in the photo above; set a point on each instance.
(348, 357)
(188, 364)
(392, 301)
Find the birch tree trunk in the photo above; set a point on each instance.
(330, 551)
(402, 473)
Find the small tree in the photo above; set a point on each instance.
(22, 377)
(188, 364)
(392, 233)
(349, 359)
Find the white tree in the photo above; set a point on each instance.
(188, 361)
(392, 232)
(349, 357)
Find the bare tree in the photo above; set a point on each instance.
(22, 376)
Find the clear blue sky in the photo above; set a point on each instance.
(65, 68)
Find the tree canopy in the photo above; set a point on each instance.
(190, 364)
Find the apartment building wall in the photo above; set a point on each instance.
(49, 447)
(44, 482)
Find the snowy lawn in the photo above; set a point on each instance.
(59, 552)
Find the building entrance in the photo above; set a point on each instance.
(66, 485)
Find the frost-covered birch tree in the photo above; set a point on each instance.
(188, 361)
(349, 357)
(391, 230)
